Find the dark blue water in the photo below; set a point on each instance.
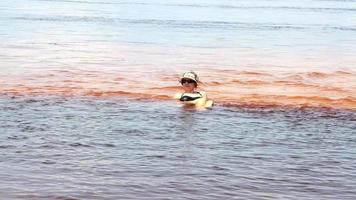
(119, 148)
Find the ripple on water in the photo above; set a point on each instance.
(144, 149)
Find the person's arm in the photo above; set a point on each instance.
(201, 101)
(177, 96)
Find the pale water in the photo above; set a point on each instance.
(86, 109)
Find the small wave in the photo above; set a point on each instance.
(265, 101)
(155, 156)
(185, 24)
(314, 74)
(341, 28)
(314, 9)
(135, 95)
(46, 197)
(65, 19)
(253, 100)
(222, 6)
(274, 84)
(7, 146)
(339, 0)
(49, 162)
(78, 144)
(17, 137)
(171, 88)
(94, 2)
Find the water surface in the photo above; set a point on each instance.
(89, 148)
(86, 109)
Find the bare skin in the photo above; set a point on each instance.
(190, 87)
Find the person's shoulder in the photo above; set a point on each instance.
(203, 93)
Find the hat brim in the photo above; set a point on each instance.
(189, 79)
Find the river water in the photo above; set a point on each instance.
(86, 109)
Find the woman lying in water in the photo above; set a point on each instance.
(191, 96)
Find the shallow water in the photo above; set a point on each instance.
(89, 148)
(86, 109)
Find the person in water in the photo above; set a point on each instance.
(191, 96)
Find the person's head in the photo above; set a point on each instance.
(189, 81)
